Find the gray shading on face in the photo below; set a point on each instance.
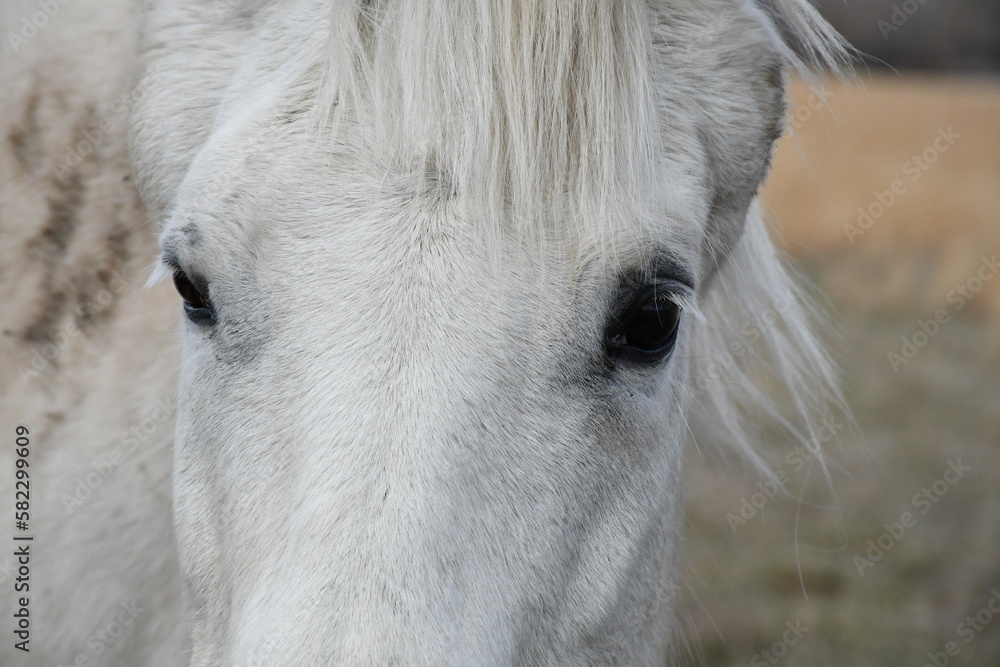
(455, 422)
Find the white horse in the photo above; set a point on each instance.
(459, 279)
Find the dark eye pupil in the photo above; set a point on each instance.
(653, 326)
(193, 298)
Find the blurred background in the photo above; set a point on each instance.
(886, 194)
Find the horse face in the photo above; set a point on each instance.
(413, 428)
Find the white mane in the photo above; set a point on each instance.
(499, 97)
(568, 100)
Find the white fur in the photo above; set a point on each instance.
(402, 442)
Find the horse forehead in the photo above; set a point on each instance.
(257, 154)
(258, 185)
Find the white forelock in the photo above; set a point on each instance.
(499, 99)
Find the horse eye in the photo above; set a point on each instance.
(198, 308)
(649, 330)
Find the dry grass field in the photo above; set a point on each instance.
(889, 200)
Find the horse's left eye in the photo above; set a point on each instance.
(197, 306)
(649, 329)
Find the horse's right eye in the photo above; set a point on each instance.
(648, 330)
(197, 306)
(653, 325)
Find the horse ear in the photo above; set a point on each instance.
(807, 40)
